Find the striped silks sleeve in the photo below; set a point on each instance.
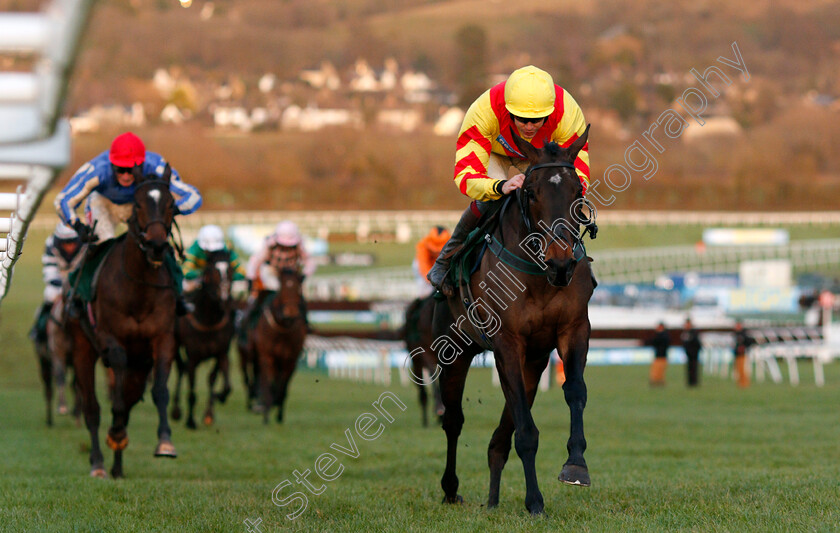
(472, 152)
(83, 182)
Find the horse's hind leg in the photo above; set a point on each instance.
(499, 449)
(417, 366)
(575, 471)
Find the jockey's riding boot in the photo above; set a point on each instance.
(439, 274)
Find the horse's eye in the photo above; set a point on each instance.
(529, 195)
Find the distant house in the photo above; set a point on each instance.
(402, 119)
(417, 87)
(449, 122)
(713, 127)
(232, 117)
(313, 118)
(364, 78)
(325, 77)
(103, 116)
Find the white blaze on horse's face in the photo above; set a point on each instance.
(155, 195)
(556, 179)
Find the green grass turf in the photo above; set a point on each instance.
(712, 459)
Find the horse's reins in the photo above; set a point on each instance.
(137, 233)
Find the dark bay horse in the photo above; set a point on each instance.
(418, 340)
(277, 341)
(529, 296)
(130, 323)
(206, 334)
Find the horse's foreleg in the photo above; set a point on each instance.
(265, 363)
(575, 471)
(211, 385)
(497, 455)
(224, 367)
(59, 371)
(499, 449)
(509, 353)
(46, 365)
(176, 401)
(163, 355)
(117, 361)
(84, 362)
(452, 379)
(191, 398)
(133, 387)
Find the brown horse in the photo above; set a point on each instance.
(531, 295)
(52, 351)
(130, 323)
(277, 341)
(418, 341)
(205, 334)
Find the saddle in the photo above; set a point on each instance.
(83, 278)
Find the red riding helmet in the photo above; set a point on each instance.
(127, 150)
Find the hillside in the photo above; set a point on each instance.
(625, 62)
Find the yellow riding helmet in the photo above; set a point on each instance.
(529, 93)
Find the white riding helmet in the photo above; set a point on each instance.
(286, 233)
(211, 238)
(63, 232)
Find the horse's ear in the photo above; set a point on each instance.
(578, 145)
(167, 173)
(525, 148)
(137, 172)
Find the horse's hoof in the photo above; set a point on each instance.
(62, 410)
(165, 449)
(176, 413)
(453, 499)
(98, 472)
(117, 445)
(208, 420)
(575, 475)
(191, 424)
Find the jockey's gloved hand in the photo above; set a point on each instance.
(85, 233)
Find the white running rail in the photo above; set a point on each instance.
(34, 142)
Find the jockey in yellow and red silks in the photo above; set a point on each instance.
(541, 112)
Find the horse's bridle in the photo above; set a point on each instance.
(576, 241)
(137, 232)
